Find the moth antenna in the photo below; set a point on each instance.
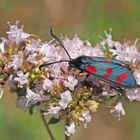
(55, 37)
(47, 64)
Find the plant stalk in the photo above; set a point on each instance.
(67, 124)
(46, 125)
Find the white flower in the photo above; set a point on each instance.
(77, 48)
(54, 111)
(46, 48)
(17, 34)
(137, 76)
(31, 48)
(86, 117)
(105, 93)
(31, 58)
(126, 52)
(50, 52)
(32, 96)
(96, 52)
(118, 110)
(16, 61)
(38, 89)
(74, 46)
(2, 43)
(22, 78)
(65, 99)
(109, 92)
(109, 42)
(70, 130)
(47, 84)
(71, 82)
(133, 94)
(56, 69)
(1, 91)
(130, 53)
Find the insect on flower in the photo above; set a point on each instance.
(112, 71)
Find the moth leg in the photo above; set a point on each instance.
(85, 82)
(81, 73)
(88, 82)
(120, 90)
(87, 76)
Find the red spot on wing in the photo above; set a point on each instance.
(121, 77)
(109, 71)
(91, 69)
(118, 80)
(106, 76)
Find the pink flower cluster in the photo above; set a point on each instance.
(58, 90)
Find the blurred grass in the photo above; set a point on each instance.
(16, 124)
(89, 19)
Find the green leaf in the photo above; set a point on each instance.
(53, 120)
(32, 108)
(21, 91)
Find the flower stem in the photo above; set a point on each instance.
(66, 124)
(67, 137)
(46, 125)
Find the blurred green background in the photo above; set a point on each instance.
(89, 19)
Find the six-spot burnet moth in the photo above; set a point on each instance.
(112, 71)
